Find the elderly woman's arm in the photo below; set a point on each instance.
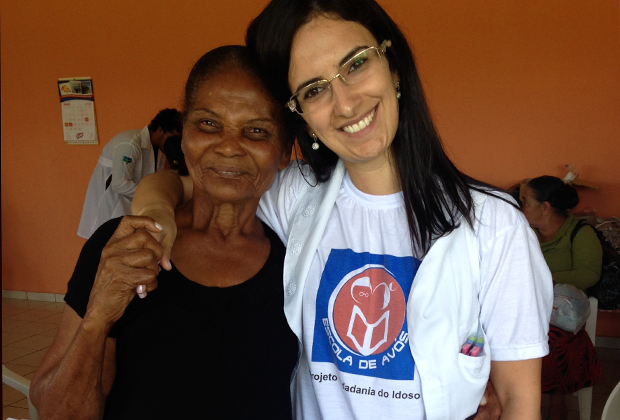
(157, 196)
(587, 260)
(518, 386)
(77, 372)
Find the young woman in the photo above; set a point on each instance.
(394, 258)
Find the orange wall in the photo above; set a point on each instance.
(518, 89)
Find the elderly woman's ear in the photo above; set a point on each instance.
(546, 208)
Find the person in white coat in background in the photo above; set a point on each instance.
(125, 160)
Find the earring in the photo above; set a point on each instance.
(398, 95)
(315, 145)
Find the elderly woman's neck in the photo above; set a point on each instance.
(218, 218)
(549, 229)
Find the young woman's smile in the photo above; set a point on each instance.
(360, 120)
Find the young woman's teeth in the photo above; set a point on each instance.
(360, 125)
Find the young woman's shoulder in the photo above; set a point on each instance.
(516, 288)
(289, 182)
(297, 174)
(499, 212)
(277, 204)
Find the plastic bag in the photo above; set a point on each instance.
(571, 307)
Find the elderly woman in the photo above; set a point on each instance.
(211, 341)
(574, 256)
(394, 257)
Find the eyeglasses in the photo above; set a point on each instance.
(358, 68)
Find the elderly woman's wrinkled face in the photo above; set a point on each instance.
(232, 137)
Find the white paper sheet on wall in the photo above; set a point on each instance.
(77, 101)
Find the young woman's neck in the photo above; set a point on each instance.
(375, 178)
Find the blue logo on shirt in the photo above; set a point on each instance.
(360, 322)
(127, 159)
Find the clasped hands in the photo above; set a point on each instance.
(130, 259)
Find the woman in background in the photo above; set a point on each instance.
(573, 258)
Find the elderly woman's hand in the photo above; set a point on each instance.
(490, 406)
(130, 258)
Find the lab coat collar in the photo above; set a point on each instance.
(145, 138)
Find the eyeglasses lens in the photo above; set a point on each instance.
(360, 67)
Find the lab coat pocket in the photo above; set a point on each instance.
(474, 369)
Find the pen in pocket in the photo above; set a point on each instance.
(468, 345)
(475, 351)
(475, 342)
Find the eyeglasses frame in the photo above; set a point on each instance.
(292, 102)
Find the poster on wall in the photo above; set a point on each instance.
(77, 102)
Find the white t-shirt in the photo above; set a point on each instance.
(356, 361)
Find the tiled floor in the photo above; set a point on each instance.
(28, 328)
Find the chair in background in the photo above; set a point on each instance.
(584, 396)
(20, 384)
(612, 406)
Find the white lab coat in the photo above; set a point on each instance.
(127, 158)
(161, 161)
(443, 306)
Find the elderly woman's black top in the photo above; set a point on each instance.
(188, 351)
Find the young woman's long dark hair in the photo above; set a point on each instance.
(435, 192)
